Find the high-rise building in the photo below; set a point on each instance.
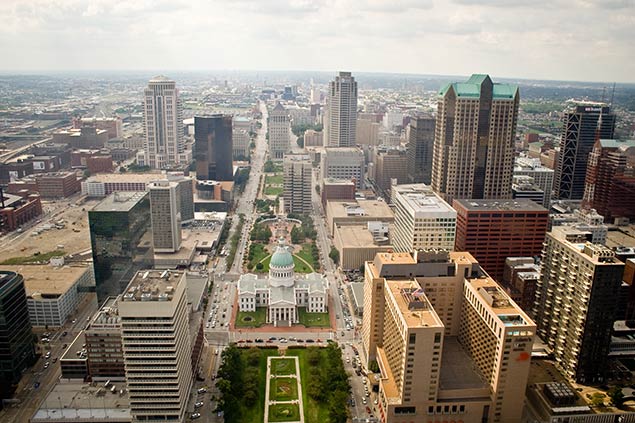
(474, 139)
(156, 345)
(420, 136)
(344, 163)
(391, 167)
(610, 181)
(163, 125)
(449, 343)
(342, 111)
(583, 123)
(337, 189)
(422, 219)
(524, 187)
(492, 230)
(185, 190)
(17, 349)
(297, 183)
(103, 342)
(542, 176)
(279, 132)
(165, 211)
(240, 144)
(213, 148)
(575, 303)
(120, 239)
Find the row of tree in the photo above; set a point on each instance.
(260, 232)
(329, 381)
(238, 379)
(306, 229)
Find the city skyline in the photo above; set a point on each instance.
(458, 38)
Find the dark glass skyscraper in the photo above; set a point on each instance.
(213, 147)
(420, 136)
(121, 240)
(17, 348)
(582, 125)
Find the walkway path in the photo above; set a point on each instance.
(296, 376)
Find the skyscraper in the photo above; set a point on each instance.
(163, 125)
(297, 183)
(342, 111)
(420, 136)
(575, 303)
(156, 345)
(165, 210)
(279, 132)
(474, 139)
(583, 123)
(17, 349)
(213, 148)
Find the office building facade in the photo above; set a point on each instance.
(297, 184)
(279, 132)
(420, 136)
(163, 125)
(165, 213)
(422, 219)
(582, 124)
(474, 139)
(342, 111)
(344, 163)
(391, 167)
(542, 176)
(213, 147)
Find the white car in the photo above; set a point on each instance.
(195, 416)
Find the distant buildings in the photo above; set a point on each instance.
(342, 111)
(451, 345)
(313, 138)
(156, 345)
(337, 189)
(542, 176)
(165, 211)
(17, 347)
(420, 137)
(422, 219)
(279, 132)
(16, 210)
(496, 229)
(344, 163)
(575, 303)
(105, 184)
(52, 185)
(391, 167)
(213, 148)
(163, 126)
(297, 184)
(610, 180)
(474, 139)
(240, 144)
(583, 123)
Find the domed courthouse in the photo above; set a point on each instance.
(282, 292)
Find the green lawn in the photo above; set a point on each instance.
(305, 253)
(313, 320)
(259, 253)
(274, 180)
(314, 412)
(300, 267)
(282, 367)
(283, 389)
(45, 257)
(284, 413)
(245, 319)
(269, 190)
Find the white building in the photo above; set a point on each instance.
(240, 143)
(344, 163)
(423, 219)
(341, 121)
(297, 183)
(279, 132)
(282, 292)
(156, 345)
(165, 211)
(163, 127)
(542, 176)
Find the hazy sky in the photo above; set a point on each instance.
(589, 40)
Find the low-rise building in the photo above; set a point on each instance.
(16, 210)
(357, 212)
(358, 244)
(337, 190)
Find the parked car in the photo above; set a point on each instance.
(195, 416)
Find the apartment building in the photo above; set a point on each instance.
(297, 183)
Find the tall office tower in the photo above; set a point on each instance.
(156, 346)
(342, 111)
(103, 342)
(344, 163)
(391, 166)
(422, 219)
(185, 189)
(420, 136)
(297, 183)
(583, 123)
(279, 132)
(542, 176)
(120, 239)
(450, 344)
(240, 144)
(213, 147)
(493, 230)
(610, 180)
(163, 124)
(575, 303)
(17, 349)
(474, 139)
(165, 211)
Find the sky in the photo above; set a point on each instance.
(581, 40)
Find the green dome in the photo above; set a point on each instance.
(282, 257)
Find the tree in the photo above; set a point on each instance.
(335, 255)
(269, 166)
(317, 188)
(300, 141)
(373, 366)
(617, 396)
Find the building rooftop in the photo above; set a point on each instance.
(499, 303)
(146, 177)
(108, 315)
(413, 304)
(458, 370)
(517, 205)
(624, 144)
(472, 88)
(121, 201)
(420, 200)
(48, 280)
(335, 181)
(352, 208)
(79, 401)
(152, 285)
(357, 289)
(359, 236)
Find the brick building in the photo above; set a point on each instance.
(15, 211)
